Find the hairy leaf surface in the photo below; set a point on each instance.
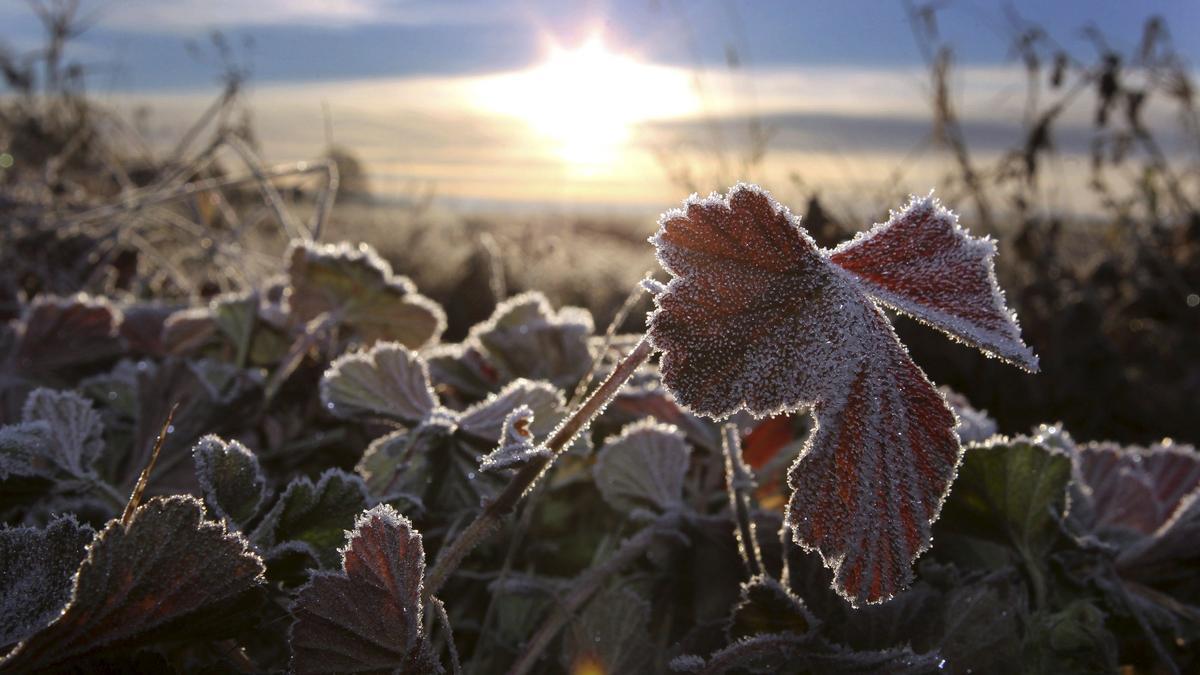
(1013, 492)
(314, 516)
(230, 478)
(757, 317)
(358, 287)
(36, 567)
(643, 468)
(923, 263)
(367, 617)
(168, 574)
(388, 380)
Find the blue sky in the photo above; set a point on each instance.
(457, 93)
(140, 44)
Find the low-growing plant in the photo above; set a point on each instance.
(300, 477)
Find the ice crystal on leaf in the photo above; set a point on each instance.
(168, 574)
(388, 381)
(643, 468)
(516, 444)
(230, 478)
(367, 616)
(358, 287)
(757, 317)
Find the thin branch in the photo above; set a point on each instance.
(488, 520)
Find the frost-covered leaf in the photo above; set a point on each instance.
(517, 444)
(1013, 492)
(974, 426)
(76, 433)
(169, 574)
(923, 263)
(1131, 492)
(382, 459)
(60, 438)
(767, 607)
(486, 419)
(188, 330)
(388, 380)
(367, 617)
(1073, 641)
(643, 468)
(56, 334)
(230, 478)
(611, 635)
(314, 516)
(24, 451)
(758, 318)
(792, 653)
(525, 337)
(36, 567)
(358, 287)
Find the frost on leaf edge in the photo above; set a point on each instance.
(1028, 361)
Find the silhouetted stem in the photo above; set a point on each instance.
(488, 520)
(587, 584)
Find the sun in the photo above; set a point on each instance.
(586, 101)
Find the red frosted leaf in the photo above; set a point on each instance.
(922, 263)
(367, 616)
(757, 317)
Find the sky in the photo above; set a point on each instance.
(522, 102)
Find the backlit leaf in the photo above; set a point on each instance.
(486, 418)
(230, 478)
(1134, 491)
(367, 617)
(56, 334)
(767, 607)
(1013, 492)
(168, 574)
(36, 567)
(387, 380)
(525, 337)
(923, 263)
(643, 468)
(610, 635)
(358, 287)
(757, 317)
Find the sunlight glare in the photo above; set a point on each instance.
(586, 101)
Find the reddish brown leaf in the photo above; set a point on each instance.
(757, 317)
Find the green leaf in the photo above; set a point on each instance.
(388, 380)
(230, 478)
(611, 635)
(167, 575)
(1013, 492)
(643, 468)
(357, 286)
(1069, 642)
(314, 517)
(36, 567)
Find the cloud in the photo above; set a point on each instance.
(190, 16)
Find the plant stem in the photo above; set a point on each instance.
(738, 483)
(586, 585)
(488, 520)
